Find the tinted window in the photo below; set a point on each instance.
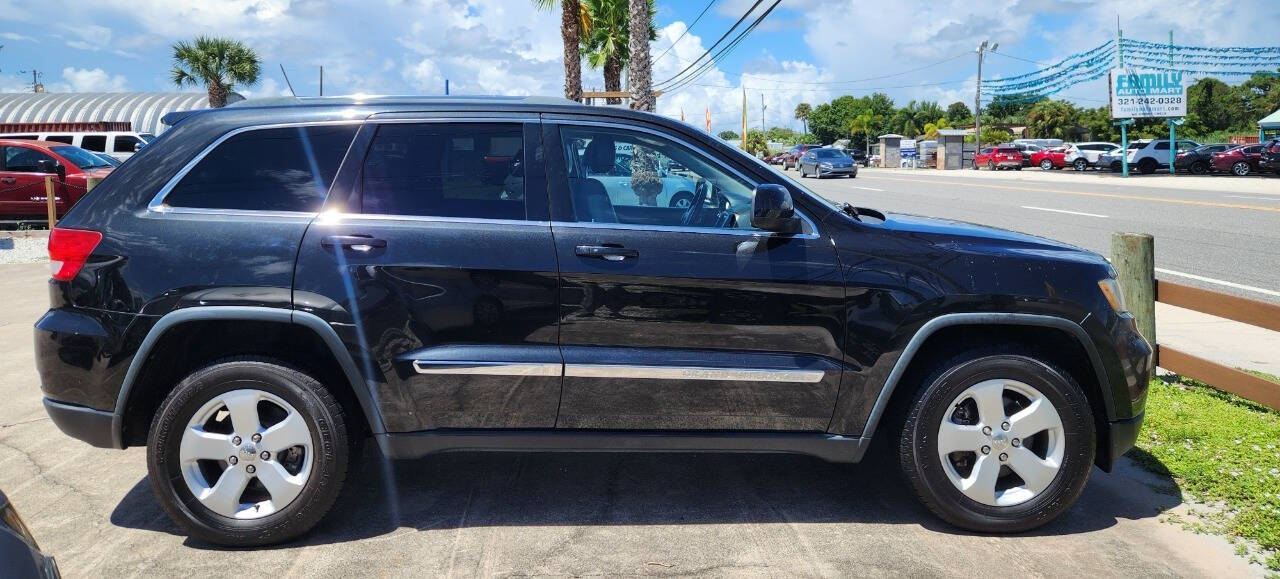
(125, 144)
(66, 139)
(446, 170)
(80, 157)
(96, 143)
(23, 160)
(286, 169)
(1162, 146)
(664, 181)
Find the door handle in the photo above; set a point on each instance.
(607, 252)
(357, 242)
(8, 180)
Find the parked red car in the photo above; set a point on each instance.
(791, 158)
(24, 165)
(999, 157)
(1239, 161)
(1051, 158)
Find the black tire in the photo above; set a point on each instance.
(1147, 166)
(1046, 165)
(681, 196)
(991, 166)
(917, 443)
(1080, 164)
(1240, 168)
(1199, 168)
(322, 414)
(1117, 167)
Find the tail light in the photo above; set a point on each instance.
(69, 249)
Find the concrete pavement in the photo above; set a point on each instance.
(590, 514)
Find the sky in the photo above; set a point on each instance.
(805, 51)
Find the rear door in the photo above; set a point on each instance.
(433, 261)
(685, 318)
(22, 190)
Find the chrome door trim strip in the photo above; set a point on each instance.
(649, 372)
(328, 217)
(157, 203)
(487, 368)
(683, 229)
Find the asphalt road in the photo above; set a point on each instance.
(1219, 233)
(568, 515)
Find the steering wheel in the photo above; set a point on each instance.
(700, 192)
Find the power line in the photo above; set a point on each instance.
(713, 46)
(724, 51)
(686, 31)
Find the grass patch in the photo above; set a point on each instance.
(1220, 449)
(1263, 375)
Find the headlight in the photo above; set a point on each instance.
(1115, 296)
(825, 165)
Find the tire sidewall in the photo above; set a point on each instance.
(920, 434)
(329, 457)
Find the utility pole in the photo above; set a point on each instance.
(35, 80)
(762, 108)
(744, 117)
(1124, 124)
(1173, 150)
(977, 100)
(322, 80)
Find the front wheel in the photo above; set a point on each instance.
(998, 442)
(247, 452)
(1240, 169)
(1046, 165)
(682, 200)
(1199, 168)
(1080, 164)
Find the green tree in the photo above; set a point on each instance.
(803, 110)
(1052, 119)
(865, 125)
(217, 63)
(931, 129)
(608, 45)
(958, 113)
(781, 135)
(1011, 108)
(1098, 122)
(1261, 96)
(1213, 105)
(729, 135)
(995, 136)
(574, 23)
(756, 143)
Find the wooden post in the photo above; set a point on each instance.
(50, 202)
(1134, 257)
(90, 183)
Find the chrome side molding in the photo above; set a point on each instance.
(624, 371)
(487, 368)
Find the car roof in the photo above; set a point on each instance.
(43, 144)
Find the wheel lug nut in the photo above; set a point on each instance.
(256, 438)
(986, 450)
(986, 430)
(1003, 457)
(266, 455)
(250, 469)
(1016, 443)
(1004, 425)
(235, 440)
(232, 460)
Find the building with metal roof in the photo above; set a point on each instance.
(141, 109)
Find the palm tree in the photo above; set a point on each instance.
(608, 47)
(640, 71)
(803, 110)
(931, 129)
(218, 63)
(575, 22)
(865, 123)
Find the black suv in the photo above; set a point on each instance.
(267, 285)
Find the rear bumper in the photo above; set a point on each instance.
(92, 426)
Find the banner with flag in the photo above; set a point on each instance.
(708, 119)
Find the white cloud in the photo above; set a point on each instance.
(265, 89)
(86, 80)
(14, 36)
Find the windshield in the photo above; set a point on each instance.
(830, 154)
(146, 137)
(80, 157)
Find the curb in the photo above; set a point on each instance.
(25, 233)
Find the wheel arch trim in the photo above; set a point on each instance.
(244, 313)
(921, 335)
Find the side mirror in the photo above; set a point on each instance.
(137, 147)
(772, 209)
(51, 166)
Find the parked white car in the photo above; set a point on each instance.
(1081, 156)
(677, 191)
(118, 144)
(1150, 155)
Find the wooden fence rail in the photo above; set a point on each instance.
(1134, 258)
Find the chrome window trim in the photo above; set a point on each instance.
(815, 233)
(157, 205)
(521, 119)
(650, 372)
(487, 368)
(682, 229)
(328, 217)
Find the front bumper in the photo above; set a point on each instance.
(96, 427)
(852, 171)
(1124, 435)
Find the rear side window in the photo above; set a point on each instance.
(23, 160)
(471, 170)
(95, 143)
(64, 139)
(284, 169)
(125, 144)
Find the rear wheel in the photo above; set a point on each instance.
(1240, 169)
(247, 452)
(1046, 165)
(1199, 168)
(998, 442)
(682, 199)
(1147, 166)
(1080, 164)
(991, 166)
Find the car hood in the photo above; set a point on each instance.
(971, 237)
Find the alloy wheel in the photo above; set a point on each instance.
(1046, 165)
(1240, 169)
(1080, 164)
(246, 454)
(1002, 442)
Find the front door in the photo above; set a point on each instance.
(433, 261)
(22, 190)
(684, 318)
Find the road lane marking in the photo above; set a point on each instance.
(1090, 194)
(866, 188)
(1063, 211)
(1254, 197)
(1239, 286)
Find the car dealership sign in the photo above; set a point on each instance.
(1144, 92)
